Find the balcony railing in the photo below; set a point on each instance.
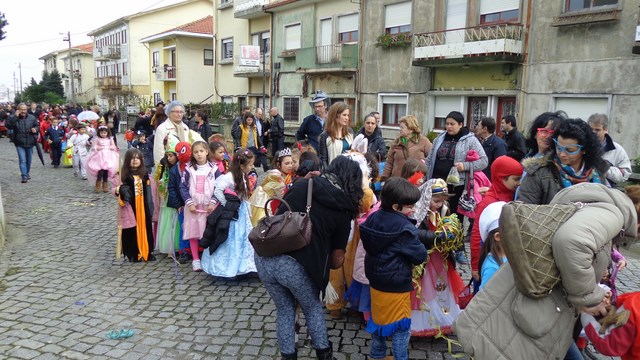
(338, 57)
(112, 52)
(492, 43)
(109, 82)
(165, 72)
(252, 71)
(249, 9)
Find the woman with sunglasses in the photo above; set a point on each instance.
(574, 156)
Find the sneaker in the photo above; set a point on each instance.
(24, 180)
(461, 258)
(195, 265)
(151, 257)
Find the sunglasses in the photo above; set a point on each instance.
(545, 131)
(570, 149)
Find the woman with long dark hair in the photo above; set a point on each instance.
(299, 276)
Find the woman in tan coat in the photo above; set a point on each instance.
(409, 145)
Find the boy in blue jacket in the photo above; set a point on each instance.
(146, 147)
(391, 240)
(54, 136)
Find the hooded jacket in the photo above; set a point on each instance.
(502, 167)
(390, 239)
(467, 142)
(501, 323)
(330, 224)
(376, 145)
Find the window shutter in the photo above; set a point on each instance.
(348, 23)
(494, 6)
(397, 14)
(293, 36)
(446, 104)
(582, 107)
(394, 99)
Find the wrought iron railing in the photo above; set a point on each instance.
(477, 33)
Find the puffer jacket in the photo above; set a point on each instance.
(588, 234)
(376, 145)
(466, 143)
(22, 135)
(390, 239)
(396, 156)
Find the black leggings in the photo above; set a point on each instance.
(103, 175)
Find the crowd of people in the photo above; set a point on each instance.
(391, 253)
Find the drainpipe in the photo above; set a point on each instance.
(525, 58)
(270, 62)
(358, 80)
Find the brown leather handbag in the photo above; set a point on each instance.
(282, 233)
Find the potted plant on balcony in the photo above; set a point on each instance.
(389, 41)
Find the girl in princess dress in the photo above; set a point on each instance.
(104, 159)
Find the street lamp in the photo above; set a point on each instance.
(73, 95)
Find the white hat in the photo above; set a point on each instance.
(489, 219)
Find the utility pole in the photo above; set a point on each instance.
(20, 67)
(73, 91)
(15, 84)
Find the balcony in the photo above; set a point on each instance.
(249, 9)
(252, 70)
(336, 59)
(165, 73)
(481, 44)
(109, 82)
(108, 52)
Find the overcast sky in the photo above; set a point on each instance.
(35, 26)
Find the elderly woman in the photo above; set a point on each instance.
(372, 133)
(542, 328)
(172, 127)
(299, 276)
(450, 150)
(337, 135)
(574, 157)
(409, 145)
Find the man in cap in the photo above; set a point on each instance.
(313, 125)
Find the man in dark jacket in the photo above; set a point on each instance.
(313, 125)
(25, 130)
(493, 146)
(516, 147)
(276, 131)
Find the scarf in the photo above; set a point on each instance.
(569, 177)
(180, 131)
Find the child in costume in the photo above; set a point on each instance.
(275, 184)
(104, 159)
(492, 255)
(235, 255)
(219, 157)
(136, 208)
(54, 136)
(80, 143)
(390, 239)
(168, 225)
(129, 135)
(146, 147)
(175, 201)
(437, 283)
(196, 189)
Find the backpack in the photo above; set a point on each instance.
(528, 231)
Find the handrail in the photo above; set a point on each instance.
(475, 33)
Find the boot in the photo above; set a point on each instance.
(105, 187)
(98, 186)
(293, 356)
(325, 354)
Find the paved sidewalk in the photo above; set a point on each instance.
(61, 289)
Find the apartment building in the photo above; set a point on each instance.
(81, 61)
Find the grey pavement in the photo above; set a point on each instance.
(62, 290)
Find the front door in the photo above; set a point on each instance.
(477, 109)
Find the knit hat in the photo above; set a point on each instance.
(489, 219)
(171, 105)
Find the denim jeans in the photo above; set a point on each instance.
(399, 345)
(573, 353)
(24, 158)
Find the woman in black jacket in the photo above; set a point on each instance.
(299, 276)
(201, 125)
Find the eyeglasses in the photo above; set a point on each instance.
(545, 131)
(177, 111)
(570, 149)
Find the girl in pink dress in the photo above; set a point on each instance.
(104, 159)
(196, 189)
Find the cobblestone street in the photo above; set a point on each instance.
(62, 290)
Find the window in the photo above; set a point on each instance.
(156, 58)
(397, 18)
(348, 28)
(443, 106)
(227, 99)
(291, 109)
(156, 98)
(208, 56)
(577, 5)
(582, 107)
(496, 12)
(227, 49)
(392, 107)
(293, 37)
(124, 36)
(124, 69)
(263, 40)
